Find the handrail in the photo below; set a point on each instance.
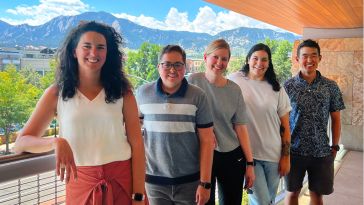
(22, 165)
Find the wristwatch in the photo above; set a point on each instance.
(138, 197)
(252, 163)
(206, 185)
(335, 147)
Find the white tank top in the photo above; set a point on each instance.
(94, 129)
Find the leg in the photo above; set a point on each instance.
(184, 194)
(231, 178)
(260, 190)
(292, 197)
(272, 177)
(294, 179)
(315, 199)
(321, 178)
(158, 194)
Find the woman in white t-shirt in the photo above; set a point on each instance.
(268, 109)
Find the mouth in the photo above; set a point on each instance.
(93, 60)
(310, 65)
(259, 68)
(171, 75)
(218, 68)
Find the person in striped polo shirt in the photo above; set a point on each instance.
(178, 134)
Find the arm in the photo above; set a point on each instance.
(30, 138)
(206, 137)
(335, 129)
(284, 162)
(243, 137)
(134, 135)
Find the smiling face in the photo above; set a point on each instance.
(308, 60)
(91, 51)
(171, 77)
(258, 64)
(217, 61)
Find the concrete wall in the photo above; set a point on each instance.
(342, 61)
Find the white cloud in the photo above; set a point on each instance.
(206, 21)
(46, 10)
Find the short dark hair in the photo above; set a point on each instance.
(172, 48)
(269, 75)
(112, 76)
(308, 43)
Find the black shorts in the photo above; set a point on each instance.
(320, 171)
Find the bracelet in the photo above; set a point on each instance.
(252, 163)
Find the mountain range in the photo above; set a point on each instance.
(52, 33)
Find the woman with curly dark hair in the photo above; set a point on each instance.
(100, 151)
(268, 108)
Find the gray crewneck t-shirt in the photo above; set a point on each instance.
(228, 108)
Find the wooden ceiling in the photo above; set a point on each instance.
(295, 15)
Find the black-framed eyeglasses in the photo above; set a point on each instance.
(167, 66)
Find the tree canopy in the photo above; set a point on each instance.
(141, 65)
(17, 100)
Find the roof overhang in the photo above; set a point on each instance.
(295, 15)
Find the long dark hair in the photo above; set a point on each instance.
(112, 76)
(269, 75)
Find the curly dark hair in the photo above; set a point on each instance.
(269, 75)
(112, 76)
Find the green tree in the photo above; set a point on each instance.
(17, 100)
(141, 65)
(235, 64)
(281, 57)
(31, 76)
(49, 77)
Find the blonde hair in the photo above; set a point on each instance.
(217, 44)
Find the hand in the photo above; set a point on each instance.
(64, 160)
(333, 153)
(284, 166)
(249, 177)
(202, 195)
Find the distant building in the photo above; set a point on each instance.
(10, 57)
(193, 65)
(37, 60)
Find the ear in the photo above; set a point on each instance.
(74, 53)
(204, 57)
(320, 56)
(296, 59)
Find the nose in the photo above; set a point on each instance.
(219, 61)
(93, 51)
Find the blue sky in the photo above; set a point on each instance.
(183, 15)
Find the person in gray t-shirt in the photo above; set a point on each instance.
(232, 157)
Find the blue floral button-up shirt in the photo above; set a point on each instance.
(311, 107)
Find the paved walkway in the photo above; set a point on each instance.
(348, 184)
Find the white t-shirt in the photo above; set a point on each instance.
(94, 129)
(264, 108)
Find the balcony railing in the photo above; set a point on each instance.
(30, 179)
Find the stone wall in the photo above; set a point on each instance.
(342, 61)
